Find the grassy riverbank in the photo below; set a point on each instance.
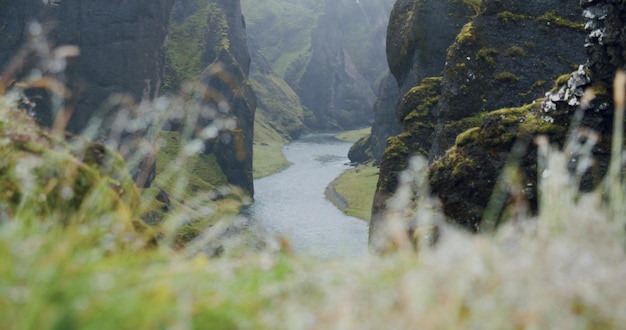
(353, 191)
(268, 149)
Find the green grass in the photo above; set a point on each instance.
(357, 186)
(267, 148)
(354, 135)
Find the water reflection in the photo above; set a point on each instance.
(292, 203)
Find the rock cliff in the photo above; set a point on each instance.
(508, 55)
(123, 51)
(418, 37)
(208, 44)
(331, 53)
(122, 46)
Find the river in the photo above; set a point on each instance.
(292, 203)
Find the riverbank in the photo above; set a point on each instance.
(268, 150)
(352, 192)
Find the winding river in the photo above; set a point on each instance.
(292, 203)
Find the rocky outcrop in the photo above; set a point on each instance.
(330, 85)
(508, 55)
(385, 122)
(221, 64)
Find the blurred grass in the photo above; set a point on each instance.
(80, 262)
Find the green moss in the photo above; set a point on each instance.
(466, 35)
(201, 171)
(539, 84)
(487, 55)
(530, 44)
(561, 81)
(394, 161)
(507, 77)
(419, 101)
(515, 51)
(552, 17)
(507, 16)
(187, 41)
(471, 135)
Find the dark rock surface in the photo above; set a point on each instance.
(509, 55)
(122, 46)
(385, 122)
(418, 37)
(330, 87)
(122, 51)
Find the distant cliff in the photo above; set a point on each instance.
(331, 53)
(506, 56)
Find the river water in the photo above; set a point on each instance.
(292, 203)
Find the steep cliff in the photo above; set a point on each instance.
(331, 53)
(122, 48)
(504, 58)
(123, 51)
(418, 37)
(208, 44)
(562, 111)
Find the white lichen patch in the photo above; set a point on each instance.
(570, 93)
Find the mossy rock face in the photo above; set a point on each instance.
(208, 46)
(464, 178)
(63, 183)
(527, 45)
(419, 35)
(503, 58)
(417, 108)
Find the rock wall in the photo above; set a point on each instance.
(230, 54)
(505, 57)
(122, 46)
(209, 45)
(418, 37)
(123, 51)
